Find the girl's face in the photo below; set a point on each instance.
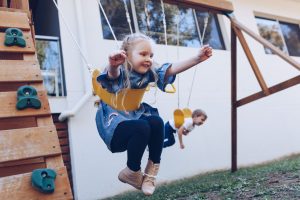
(141, 56)
(198, 121)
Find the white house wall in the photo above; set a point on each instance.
(267, 128)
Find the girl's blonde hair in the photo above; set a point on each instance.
(128, 43)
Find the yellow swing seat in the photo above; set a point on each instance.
(125, 100)
(180, 115)
(187, 113)
(178, 118)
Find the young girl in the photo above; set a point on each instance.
(132, 67)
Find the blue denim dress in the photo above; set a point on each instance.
(107, 118)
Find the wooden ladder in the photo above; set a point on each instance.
(28, 138)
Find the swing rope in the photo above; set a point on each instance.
(89, 68)
(128, 16)
(201, 38)
(166, 41)
(164, 21)
(177, 31)
(147, 14)
(107, 21)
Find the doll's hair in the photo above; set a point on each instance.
(198, 113)
(127, 45)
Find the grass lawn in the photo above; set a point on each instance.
(276, 180)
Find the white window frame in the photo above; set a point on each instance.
(278, 19)
(45, 72)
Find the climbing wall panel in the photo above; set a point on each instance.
(28, 137)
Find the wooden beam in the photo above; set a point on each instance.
(14, 19)
(17, 71)
(20, 4)
(276, 88)
(233, 101)
(9, 99)
(8, 123)
(20, 144)
(218, 5)
(15, 10)
(23, 162)
(265, 42)
(13, 170)
(251, 60)
(13, 86)
(21, 166)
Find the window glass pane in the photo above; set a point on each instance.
(187, 28)
(116, 14)
(270, 30)
(212, 35)
(48, 54)
(291, 34)
(150, 20)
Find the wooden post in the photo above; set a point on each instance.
(233, 100)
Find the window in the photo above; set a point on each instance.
(149, 19)
(116, 15)
(291, 34)
(48, 46)
(48, 54)
(212, 35)
(285, 36)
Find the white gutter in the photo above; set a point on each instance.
(87, 77)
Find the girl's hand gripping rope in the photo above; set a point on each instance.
(115, 60)
(205, 53)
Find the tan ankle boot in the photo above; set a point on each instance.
(131, 177)
(149, 181)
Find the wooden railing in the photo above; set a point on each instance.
(237, 28)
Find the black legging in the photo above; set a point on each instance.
(135, 135)
(169, 135)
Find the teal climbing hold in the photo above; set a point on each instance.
(43, 180)
(14, 36)
(27, 98)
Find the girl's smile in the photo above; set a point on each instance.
(141, 56)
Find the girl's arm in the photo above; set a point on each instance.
(180, 133)
(115, 60)
(178, 67)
